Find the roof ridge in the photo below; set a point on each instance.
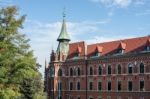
(122, 40)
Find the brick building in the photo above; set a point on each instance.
(110, 70)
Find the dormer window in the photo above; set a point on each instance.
(121, 48)
(120, 51)
(97, 54)
(98, 50)
(147, 47)
(77, 54)
(78, 51)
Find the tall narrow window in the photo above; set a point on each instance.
(78, 71)
(90, 98)
(90, 85)
(91, 71)
(130, 67)
(60, 72)
(109, 69)
(119, 85)
(129, 85)
(99, 86)
(109, 85)
(141, 68)
(59, 86)
(59, 97)
(78, 97)
(99, 70)
(71, 86)
(78, 85)
(141, 85)
(71, 72)
(119, 69)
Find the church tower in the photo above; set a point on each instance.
(63, 39)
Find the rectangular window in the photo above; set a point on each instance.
(119, 85)
(99, 86)
(130, 70)
(129, 85)
(109, 69)
(91, 86)
(71, 86)
(78, 86)
(109, 85)
(59, 86)
(142, 85)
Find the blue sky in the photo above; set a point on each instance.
(89, 20)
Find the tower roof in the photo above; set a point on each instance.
(63, 34)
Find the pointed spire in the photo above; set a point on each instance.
(45, 64)
(63, 34)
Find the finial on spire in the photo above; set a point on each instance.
(64, 12)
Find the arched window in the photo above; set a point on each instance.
(91, 71)
(78, 71)
(71, 86)
(109, 69)
(60, 72)
(99, 70)
(59, 86)
(141, 68)
(71, 72)
(78, 85)
(119, 69)
(130, 68)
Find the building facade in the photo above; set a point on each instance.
(110, 70)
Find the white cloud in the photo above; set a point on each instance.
(4, 3)
(119, 3)
(146, 12)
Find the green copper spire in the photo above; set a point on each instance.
(63, 39)
(63, 34)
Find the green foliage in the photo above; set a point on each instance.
(19, 75)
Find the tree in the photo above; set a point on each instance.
(19, 75)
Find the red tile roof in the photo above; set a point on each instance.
(109, 48)
(74, 48)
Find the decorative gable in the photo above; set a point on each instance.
(122, 45)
